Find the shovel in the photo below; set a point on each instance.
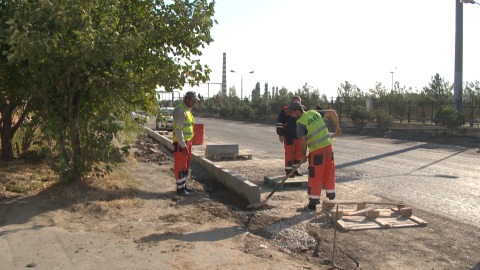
(260, 204)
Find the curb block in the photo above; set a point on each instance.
(243, 187)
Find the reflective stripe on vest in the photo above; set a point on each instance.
(187, 128)
(317, 132)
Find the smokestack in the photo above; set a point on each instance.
(224, 75)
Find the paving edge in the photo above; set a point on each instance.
(240, 185)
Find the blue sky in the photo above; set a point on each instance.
(325, 43)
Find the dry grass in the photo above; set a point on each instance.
(24, 177)
(116, 190)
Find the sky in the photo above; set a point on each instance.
(325, 43)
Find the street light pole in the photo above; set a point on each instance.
(392, 79)
(241, 89)
(208, 90)
(241, 84)
(458, 78)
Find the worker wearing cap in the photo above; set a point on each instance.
(313, 132)
(287, 134)
(182, 141)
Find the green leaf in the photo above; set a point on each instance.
(10, 57)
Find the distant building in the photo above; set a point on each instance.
(256, 91)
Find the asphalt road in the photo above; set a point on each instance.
(441, 179)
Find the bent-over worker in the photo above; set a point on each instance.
(313, 132)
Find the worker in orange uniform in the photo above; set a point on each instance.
(287, 134)
(312, 131)
(182, 141)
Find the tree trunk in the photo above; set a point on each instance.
(7, 148)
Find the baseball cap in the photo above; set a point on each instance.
(295, 105)
(192, 95)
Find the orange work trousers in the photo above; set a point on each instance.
(321, 170)
(293, 153)
(181, 163)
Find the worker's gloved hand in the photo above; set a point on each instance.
(331, 196)
(185, 150)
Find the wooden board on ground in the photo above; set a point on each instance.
(297, 181)
(383, 219)
(229, 157)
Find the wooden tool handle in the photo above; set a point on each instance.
(283, 181)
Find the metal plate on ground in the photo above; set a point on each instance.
(297, 181)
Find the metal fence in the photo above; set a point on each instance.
(415, 111)
(404, 111)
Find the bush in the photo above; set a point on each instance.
(383, 120)
(462, 131)
(234, 111)
(248, 112)
(449, 117)
(224, 112)
(214, 109)
(360, 116)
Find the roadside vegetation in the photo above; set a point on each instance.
(388, 106)
(72, 72)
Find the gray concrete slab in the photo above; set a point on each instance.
(221, 149)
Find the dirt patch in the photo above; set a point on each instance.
(139, 205)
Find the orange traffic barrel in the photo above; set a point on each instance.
(198, 134)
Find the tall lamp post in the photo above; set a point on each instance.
(458, 79)
(208, 90)
(241, 85)
(392, 79)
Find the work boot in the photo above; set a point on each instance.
(183, 192)
(189, 190)
(297, 173)
(287, 172)
(308, 208)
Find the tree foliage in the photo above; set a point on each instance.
(89, 62)
(350, 95)
(360, 116)
(449, 117)
(232, 92)
(439, 89)
(383, 120)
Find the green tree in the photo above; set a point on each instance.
(232, 93)
(310, 96)
(14, 96)
(471, 97)
(89, 61)
(350, 95)
(449, 117)
(360, 116)
(439, 89)
(283, 91)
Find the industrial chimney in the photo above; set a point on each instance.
(224, 75)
